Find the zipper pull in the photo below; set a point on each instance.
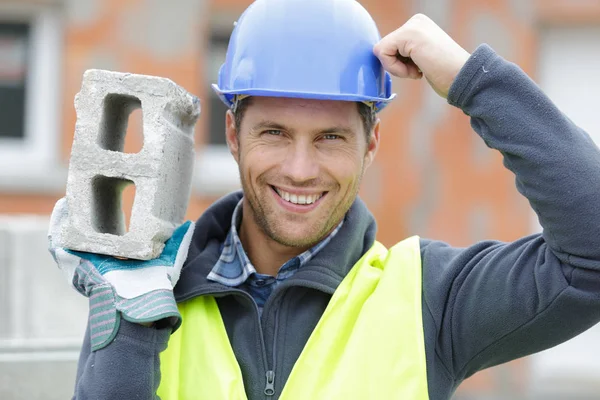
(270, 386)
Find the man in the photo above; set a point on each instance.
(286, 293)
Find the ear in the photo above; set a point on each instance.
(232, 136)
(373, 144)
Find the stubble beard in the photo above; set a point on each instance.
(265, 218)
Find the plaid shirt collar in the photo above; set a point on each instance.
(234, 267)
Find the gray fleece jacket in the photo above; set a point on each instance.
(482, 305)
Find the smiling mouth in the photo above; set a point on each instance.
(298, 199)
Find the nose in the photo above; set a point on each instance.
(301, 163)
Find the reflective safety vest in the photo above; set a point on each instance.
(368, 343)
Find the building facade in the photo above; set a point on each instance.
(432, 176)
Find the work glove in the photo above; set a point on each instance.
(138, 291)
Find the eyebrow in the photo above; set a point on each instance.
(275, 125)
(337, 129)
(271, 125)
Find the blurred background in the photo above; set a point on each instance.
(433, 176)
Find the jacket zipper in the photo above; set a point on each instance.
(270, 386)
(269, 390)
(270, 374)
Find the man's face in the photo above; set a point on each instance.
(301, 163)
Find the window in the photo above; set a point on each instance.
(14, 38)
(30, 53)
(217, 52)
(216, 170)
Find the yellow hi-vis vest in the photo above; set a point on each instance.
(368, 343)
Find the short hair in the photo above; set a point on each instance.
(366, 111)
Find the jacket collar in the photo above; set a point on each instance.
(324, 272)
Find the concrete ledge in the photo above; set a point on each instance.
(37, 379)
(28, 180)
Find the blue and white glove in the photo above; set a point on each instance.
(138, 291)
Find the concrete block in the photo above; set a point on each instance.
(99, 170)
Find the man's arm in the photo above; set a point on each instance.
(557, 165)
(510, 300)
(494, 302)
(128, 368)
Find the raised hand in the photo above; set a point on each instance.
(421, 48)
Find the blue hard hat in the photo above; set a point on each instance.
(313, 49)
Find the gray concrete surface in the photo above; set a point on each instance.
(42, 319)
(46, 380)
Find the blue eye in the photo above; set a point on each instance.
(273, 132)
(331, 137)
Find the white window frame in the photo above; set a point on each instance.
(216, 171)
(32, 163)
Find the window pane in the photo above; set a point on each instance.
(217, 120)
(13, 72)
(217, 51)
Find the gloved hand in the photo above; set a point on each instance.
(139, 291)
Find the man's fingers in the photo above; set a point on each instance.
(413, 70)
(420, 48)
(395, 67)
(395, 63)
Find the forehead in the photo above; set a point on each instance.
(316, 111)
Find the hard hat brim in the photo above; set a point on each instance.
(228, 96)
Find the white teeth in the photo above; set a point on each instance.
(298, 199)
